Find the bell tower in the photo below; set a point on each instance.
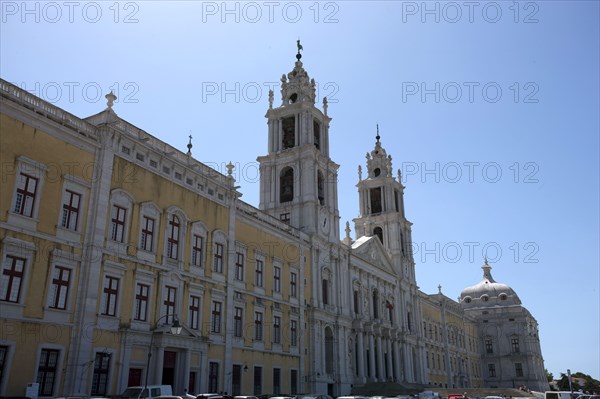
(381, 204)
(298, 180)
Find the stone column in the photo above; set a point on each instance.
(372, 376)
(360, 360)
(398, 373)
(380, 359)
(389, 359)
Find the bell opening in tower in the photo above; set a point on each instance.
(375, 194)
(317, 134)
(286, 184)
(288, 126)
(320, 188)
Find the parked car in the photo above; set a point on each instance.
(312, 396)
(138, 392)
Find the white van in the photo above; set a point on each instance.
(140, 392)
(429, 395)
(561, 395)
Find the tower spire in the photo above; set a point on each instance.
(298, 56)
(378, 136)
(189, 145)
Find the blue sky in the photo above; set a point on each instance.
(490, 109)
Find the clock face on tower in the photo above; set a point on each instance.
(324, 221)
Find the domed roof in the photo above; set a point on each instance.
(488, 292)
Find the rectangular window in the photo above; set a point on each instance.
(147, 239)
(285, 217)
(491, 370)
(213, 377)
(257, 380)
(258, 326)
(101, 372)
(194, 312)
(258, 274)
(170, 302)
(46, 375)
(488, 346)
(173, 238)
(141, 302)
(26, 191)
(294, 382)
(111, 292)
(276, 381)
(293, 285)
(70, 214)
(197, 244)
(515, 345)
(519, 369)
(293, 333)
(215, 326)
(409, 321)
(325, 291)
(276, 329)
(355, 300)
(239, 266)
(218, 263)
(117, 232)
(60, 287)
(276, 279)
(11, 279)
(238, 322)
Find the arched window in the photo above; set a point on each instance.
(379, 233)
(320, 188)
(286, 185)
(328, 350)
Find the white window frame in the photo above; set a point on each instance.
(123, 199)
(35, 169)
(149, 210)
(146, 278)
(20, 249)
(79, 186)
(198, 229)
(69, 261)
(114, 270)
(219, 238)
(183, 221)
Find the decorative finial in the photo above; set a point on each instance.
(298, 56)
(486, 261)
(378, 137)
(270, 99)
(110, 97)
(359, 173)
(348, 230)
(440, 289)
(325, 106)
(229, 167)
(189, 146)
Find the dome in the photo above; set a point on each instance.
(488, 292)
